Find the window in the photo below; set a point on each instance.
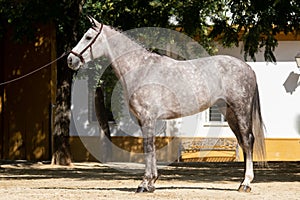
(214, 115)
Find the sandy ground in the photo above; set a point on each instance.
(23, 180)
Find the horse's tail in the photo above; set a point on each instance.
(258, 129)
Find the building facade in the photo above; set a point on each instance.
(25, 104)
(280, 112)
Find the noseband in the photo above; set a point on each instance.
(79, 55)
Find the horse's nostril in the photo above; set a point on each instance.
(69, 60)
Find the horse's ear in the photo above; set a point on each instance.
(94, 22)
(89, 17)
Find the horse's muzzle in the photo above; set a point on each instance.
(74, 62)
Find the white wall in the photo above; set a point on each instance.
(280, 110)
(80, 125)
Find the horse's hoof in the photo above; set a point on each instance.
(151, 189)
(244, 188)
(140, 190)
(144, 189)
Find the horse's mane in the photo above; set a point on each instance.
(134, 39)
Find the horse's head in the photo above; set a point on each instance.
(87, 49)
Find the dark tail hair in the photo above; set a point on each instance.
(258, 129)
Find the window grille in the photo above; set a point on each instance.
(215, 115)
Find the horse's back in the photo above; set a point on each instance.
(230, 75)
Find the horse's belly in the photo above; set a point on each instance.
(160, 102)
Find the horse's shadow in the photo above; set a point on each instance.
(172, 188)
(194, 188)
(131, 189)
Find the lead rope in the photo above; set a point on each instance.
(36, 70)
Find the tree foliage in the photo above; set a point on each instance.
(257, 23)
(253, 22)
(190, 16)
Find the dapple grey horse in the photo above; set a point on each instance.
(158, 87)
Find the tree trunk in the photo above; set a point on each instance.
(66, 39)
(103, 122)
(61, 147)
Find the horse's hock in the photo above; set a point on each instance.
(209, 150)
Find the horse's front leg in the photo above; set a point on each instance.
(151, 174)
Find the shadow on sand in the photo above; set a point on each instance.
(192, 172)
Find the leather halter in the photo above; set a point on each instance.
(79, 55)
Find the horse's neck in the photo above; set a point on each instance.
(125, 54)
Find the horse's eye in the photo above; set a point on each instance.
(88, 37)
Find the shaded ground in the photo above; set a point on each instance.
(23, 180)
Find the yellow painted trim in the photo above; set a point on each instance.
(281, 149)
(277, 149)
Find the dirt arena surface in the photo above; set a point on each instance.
(24, 180)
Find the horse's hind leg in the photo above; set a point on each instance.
(240, 123)
(151, 175)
